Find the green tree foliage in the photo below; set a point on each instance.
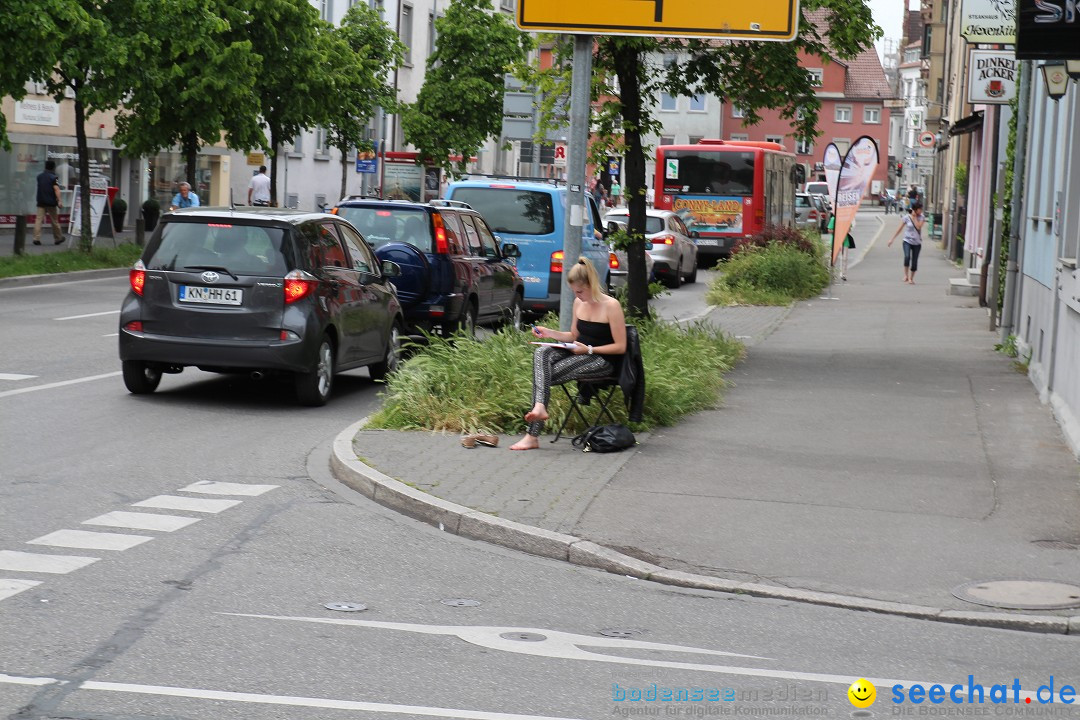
(364, 52)
(629, 73)
(198, 87)
(460, 105)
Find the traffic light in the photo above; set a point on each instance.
(899, 168)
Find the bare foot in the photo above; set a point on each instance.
(528, 442)
(537, 414)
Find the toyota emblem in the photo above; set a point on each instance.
(210, 276)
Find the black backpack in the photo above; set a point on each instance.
(605, 439)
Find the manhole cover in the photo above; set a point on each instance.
(524, 636)
(1021, 594)
(345, 606)
(460, 602)
(620, 632)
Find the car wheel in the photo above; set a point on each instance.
(313, 387)
(514, 314)
(140, 379)
(692, 277)
(674, 280)
(465, 324)
(392, 357)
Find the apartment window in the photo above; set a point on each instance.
(432, 35)
(817, 76)
(871, 115)
(736, 111)
(739, 136)
(804, 147)
(507, 5)
(667, 140)
(297, 149)
(326, 10)
(775, 138)
(667, 102)
(842, 144)
(695, 139)
(407, 31)
(322, 149)
(379, 7)
(670, 59)
(697, 103)
(843, 114)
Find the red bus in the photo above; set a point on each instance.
(725, 190)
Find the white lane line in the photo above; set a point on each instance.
(85, 540)
(97, 314)
(36, 562)
(50, 386)
(212, 487)
(175, 502)
(9, 587)
(141, 521)
(15, 376)
(16, 680)
(112, 335)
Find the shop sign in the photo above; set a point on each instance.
(37, 112)
(989, 21)
(1047, 30)
(992, 76)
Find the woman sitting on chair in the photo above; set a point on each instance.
(598, 331)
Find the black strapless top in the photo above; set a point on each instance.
(594, 333)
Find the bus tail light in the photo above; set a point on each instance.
(557, 261)
(442, 246)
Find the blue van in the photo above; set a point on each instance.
(531, 214)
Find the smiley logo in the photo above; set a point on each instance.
(861, 693)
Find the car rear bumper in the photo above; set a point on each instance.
(170, 350)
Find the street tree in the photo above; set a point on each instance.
(100, 56)
(629, 73)
(197, 89)
(363, 52)
(460, 105)
(292, 87)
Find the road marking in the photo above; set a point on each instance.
(112, 335)
(97, 314)
(36, 562)
(141, 521)
(212, 487)
(50, 386)
(85, 540)
(15, 680)
(14, 587)
(175, 502)
(15, 376)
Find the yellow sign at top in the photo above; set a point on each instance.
(768, 20)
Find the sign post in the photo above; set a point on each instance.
(580, 111)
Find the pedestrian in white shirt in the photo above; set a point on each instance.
(259, 188)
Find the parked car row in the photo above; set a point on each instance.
(307, 295)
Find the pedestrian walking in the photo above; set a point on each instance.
(911, 226)
(259, 188)
(185, 198)
(48, 203)
(616, 193)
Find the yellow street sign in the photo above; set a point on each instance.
(768, 20)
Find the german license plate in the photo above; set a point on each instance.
(211, 295)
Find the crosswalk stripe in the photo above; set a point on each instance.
(14, 587)
(36, 562)
(141, 521)
(212, 487)
(85, 540)
(175, 502)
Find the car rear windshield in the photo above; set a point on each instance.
(382, 225)
(652, 224)
(703, 172)
(508, 210)
(802, 201)
(240, 249)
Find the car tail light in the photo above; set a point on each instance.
(137, 277)
(134, 326)
(297, 286)
(557, 261)
(442, 247)
(812, 215)
(663, 240)
(613, 261)
(333, 211)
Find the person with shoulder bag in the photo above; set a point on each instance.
(911, 226)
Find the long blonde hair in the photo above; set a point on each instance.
(584, 273)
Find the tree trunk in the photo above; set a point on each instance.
(274, 152)
(86, 233)
(191, 157)
(627, 60)
(344, 170)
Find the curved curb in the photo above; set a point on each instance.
(469, 523)
(62, 277)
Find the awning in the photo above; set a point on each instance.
(969, 124)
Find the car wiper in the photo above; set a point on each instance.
(222, 268)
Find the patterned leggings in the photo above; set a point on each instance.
(554, 366)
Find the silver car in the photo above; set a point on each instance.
(808, 212)
(620, 267)
(673, 252)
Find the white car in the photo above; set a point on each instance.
(673, 252)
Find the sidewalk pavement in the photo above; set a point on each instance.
(874, 453)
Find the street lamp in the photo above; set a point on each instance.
(1056, 78)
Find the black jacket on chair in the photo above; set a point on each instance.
(630, 376)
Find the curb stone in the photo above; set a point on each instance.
(62, 277)
(469, 523)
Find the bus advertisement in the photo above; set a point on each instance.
(726, 190)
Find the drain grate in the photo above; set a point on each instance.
(1020, 594)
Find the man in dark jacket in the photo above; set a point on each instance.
(48, 203)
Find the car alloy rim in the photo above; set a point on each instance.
(515, 316)
(323, 370)
(393, 352)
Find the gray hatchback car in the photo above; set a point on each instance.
(259, 290)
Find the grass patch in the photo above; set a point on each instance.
(774, 274)
(458, 385)
(70, 260)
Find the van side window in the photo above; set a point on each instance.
(472, 238)
(487, 241)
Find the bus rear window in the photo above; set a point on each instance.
(709, 173)
(509, 210)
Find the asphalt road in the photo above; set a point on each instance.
(224, 617)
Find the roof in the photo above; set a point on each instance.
(244, 212)
(865, 78)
